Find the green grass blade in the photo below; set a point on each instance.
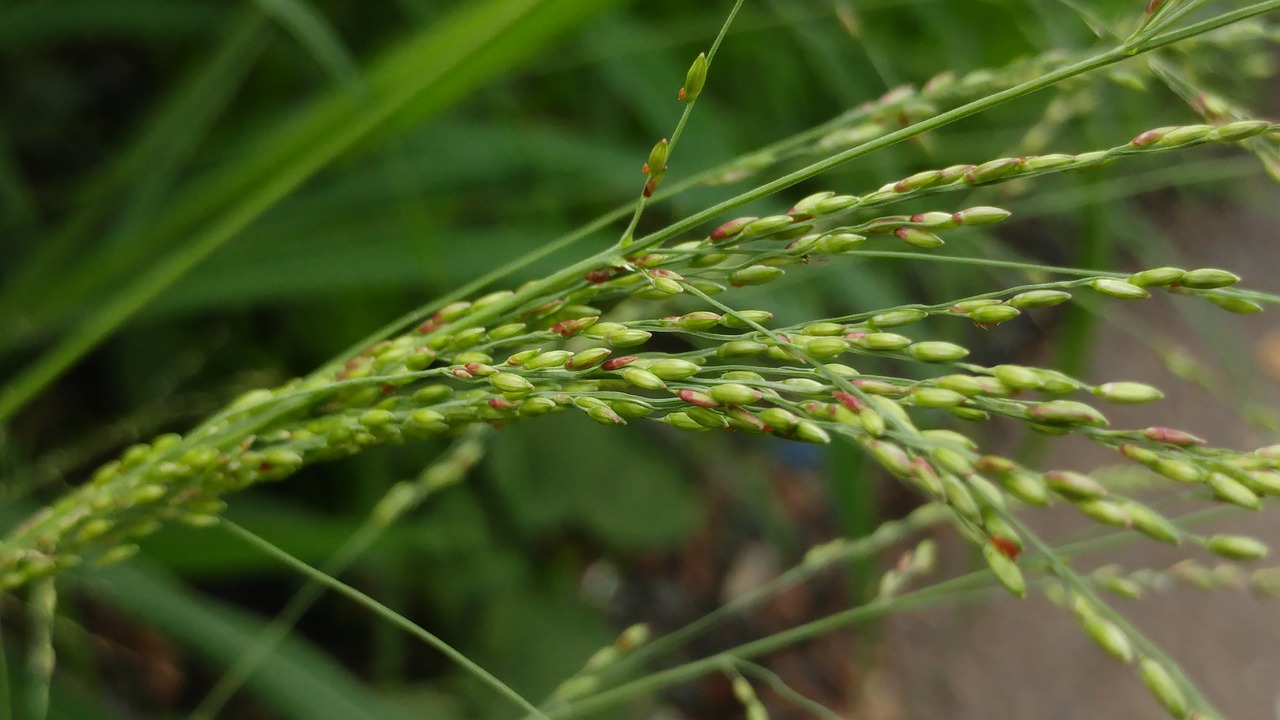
(419, 77)
(135, 184)
(316, 35)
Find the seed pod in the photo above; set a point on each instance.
(982, 215)
(682, 421)
(1067, 412)
(731, 228)
(779, 418)
(878, 387)
(701, 320)
(741, 348)
(697, 398)
(835, 243)
(1127, 392)
(952, 461)
(1263, 481)
(1170, 436)
(766, 225)
(1178, 470)
(810, 432)
(1038, 299)
(535, 406)
(694, 79)
(1186, 134)
(1208, 279)
(619, 362)
(964, 307)
(1152, 524)
(1236, 547)
(994, 314)
(805, 386)
(1005, 569)
(964, 384)
(1036, 163)
(509, 383)
(993, 170)
(1233, 304)
(1163, 687)
(936, 351)
(891, 457)
(706, 417)
(632, 408)
(1104, 511)
(896, 318)
(1270, 452)
(605, 415)
(1074, 485)
(734, 394)
(918, 181)
(824, 329)
(548, 360)
(882, 341)
(627, 337)
(1156, 277)
(834, 204)
(657, 157)
(587, 359)
(1119, 289)
(958, 498)
(808, 206)
(970, 414)
(1109, 637)
(674, 369)
(744, 420)
(825, 348)
(872, 422)
(642, 378)
(1233, 491)
(936, 220)
(936, 397)
(600, 329)
(741, 319)
(1017, 377)
(918, 237)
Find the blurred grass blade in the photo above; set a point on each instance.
(300, 682)
(138, 180)
(422, 75)
(316, 35)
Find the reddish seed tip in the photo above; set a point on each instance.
(1007, 547)
(682, 95)
(847, 400)
(265, 467)
(598, 276)
(388, 389)
(615, 363)
(644, 168)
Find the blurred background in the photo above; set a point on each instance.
(200, 198)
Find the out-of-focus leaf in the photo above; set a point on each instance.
(299, 682)
(569, 472)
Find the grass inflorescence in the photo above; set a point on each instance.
(646, 331)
